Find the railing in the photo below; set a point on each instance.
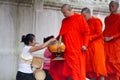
(80, 1)
(77, 0)
(99, 5)
(101, 0)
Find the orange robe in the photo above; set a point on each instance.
(75, 33)
(112, 48)
(95, 58)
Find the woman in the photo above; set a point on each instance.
(24, 71)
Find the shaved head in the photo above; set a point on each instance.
(66, 7)
(67, 10)
(86, 13)
(114, 2)
(86, 10)
(113, 6)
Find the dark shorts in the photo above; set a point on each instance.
(24, 76)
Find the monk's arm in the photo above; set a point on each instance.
(98, 26)
(116, 35)
(85, 33)
(62, 31)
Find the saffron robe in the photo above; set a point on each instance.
(56, 69)
(95, 58)
(112, 48)
(75, 33)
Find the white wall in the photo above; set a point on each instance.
(8, 22)
(14, 21)
(48, 22)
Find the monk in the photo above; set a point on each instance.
(75, 33)
(95, 58)
(112, 42)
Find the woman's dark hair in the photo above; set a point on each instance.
(47, 38)
(28, 38)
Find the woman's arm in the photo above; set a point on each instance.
(36, 48)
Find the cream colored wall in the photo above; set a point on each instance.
(14, 21)
(47, 23)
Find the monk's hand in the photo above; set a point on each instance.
(106, 39)
(84, 48)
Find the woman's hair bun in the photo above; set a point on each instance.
(27, 38)
(23, 38)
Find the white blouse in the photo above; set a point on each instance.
(25, 60)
